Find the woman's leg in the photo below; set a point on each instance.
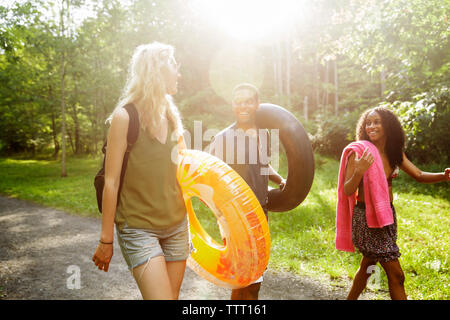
(153, 279)
(396, 279)
(175, 270)
(361, 277)
(176, 248)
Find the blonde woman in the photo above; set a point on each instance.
(150, 215)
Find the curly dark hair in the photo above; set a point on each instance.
(395, 136)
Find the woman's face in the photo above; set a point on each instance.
(374, 127)
(171, 75)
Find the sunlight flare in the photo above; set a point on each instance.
(251, 19)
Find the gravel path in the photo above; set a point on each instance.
(43, 251)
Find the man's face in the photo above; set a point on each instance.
(245, 105)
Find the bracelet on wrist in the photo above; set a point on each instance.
(102, 242)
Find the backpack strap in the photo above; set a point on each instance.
(133, 125)
(132, 135)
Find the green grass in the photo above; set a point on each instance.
(302, 239)
(40, 181)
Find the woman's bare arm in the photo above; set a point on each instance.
(117, 145)
(421, 176)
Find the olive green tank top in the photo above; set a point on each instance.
(151, 197)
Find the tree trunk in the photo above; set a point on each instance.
(336, 106)
(69, 136)
(279, 70)
(63, 104)
(95, 116)
(76, 124)
(316, 82)
(288, 70)
(275, 72)
(382, 83)
(94, 124)
(63, 121)
(305, 108)
(325, 94)
(54, 134)
(55, 137)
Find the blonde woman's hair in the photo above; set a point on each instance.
(146, 88)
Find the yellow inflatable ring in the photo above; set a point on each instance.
(241, 219)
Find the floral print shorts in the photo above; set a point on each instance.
(378, 244)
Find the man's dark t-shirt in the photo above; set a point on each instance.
(248, 155)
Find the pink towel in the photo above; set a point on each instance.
(376, 196)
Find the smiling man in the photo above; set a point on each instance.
(246, 149)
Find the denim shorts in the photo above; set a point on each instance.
(138, 246)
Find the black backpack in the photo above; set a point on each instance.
(132, 135)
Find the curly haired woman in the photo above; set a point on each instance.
(366, 172)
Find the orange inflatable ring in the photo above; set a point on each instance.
(241, 219)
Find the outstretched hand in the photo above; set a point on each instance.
(447, 174)
(364, 162)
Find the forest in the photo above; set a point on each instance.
(63, 65)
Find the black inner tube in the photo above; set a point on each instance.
(299, 154)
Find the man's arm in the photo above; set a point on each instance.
(276, 178)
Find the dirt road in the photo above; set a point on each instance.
(46, 254)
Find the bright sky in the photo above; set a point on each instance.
(251, 19)
(247, 20)
(251, 22)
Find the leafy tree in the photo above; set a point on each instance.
(425, 120)
(340, 58)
